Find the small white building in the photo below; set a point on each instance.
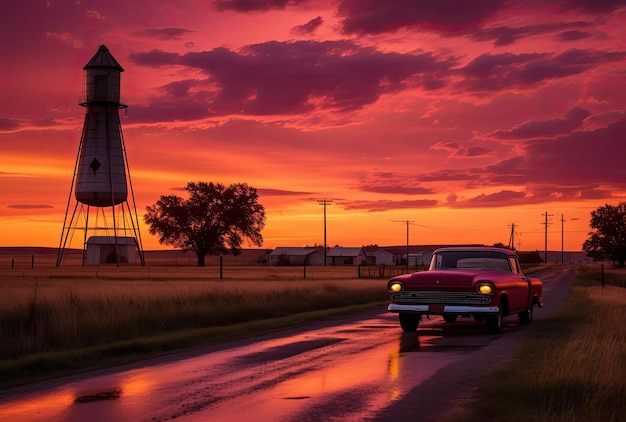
(102, 250)
(384, 257)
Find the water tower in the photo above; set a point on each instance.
(101, 181)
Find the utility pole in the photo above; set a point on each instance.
(407, 242)
(562, 239)
(512, 237)
(546, 236)
(325, 202)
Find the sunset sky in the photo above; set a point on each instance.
(459, 117)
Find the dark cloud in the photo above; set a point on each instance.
(29, 206)
(8, 125)
(449, 176)
(253, 5)
(387, 205)
(309, 27)
(403, 190)
(490, 72)
(502, 198)
(444, 16)
(545, 128)
(574, 35)
(503, 36)
(459, 17)
(594, 156)
(392, 183)
(155, 58)
(297, 77)
(594, 6)
(458, 150)
(473, 151)
(163, 33)
(280, 192)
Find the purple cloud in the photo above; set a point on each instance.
(574, 35)
(445, 16)
(295, 77)
(545, 128)
(502, 198)
(490, 72)
(386, 205)
(280, 192)
(503, 36)
(163, 33)
(7, 125)
(253, 5)
(29, 206)
(309, 27)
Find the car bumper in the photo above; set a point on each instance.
(444, 309)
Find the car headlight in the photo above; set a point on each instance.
(485, 289)
(395, 287)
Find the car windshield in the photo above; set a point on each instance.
(470, 259)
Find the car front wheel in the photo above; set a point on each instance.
(494, 323)
(409, 322)
(449, 318)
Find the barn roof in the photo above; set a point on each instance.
(294, 251)
(339, 251)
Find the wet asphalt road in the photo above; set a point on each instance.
(359, 367)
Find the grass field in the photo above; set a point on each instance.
(55, 320)
(61, 320)
(571, 368)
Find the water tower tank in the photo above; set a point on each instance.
(101, 173)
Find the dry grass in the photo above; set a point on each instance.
(45, 311)
(50, 312)
(572, 368)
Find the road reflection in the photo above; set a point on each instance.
(350, 370)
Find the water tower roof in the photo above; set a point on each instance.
(103, 59)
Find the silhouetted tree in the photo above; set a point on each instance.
(608, 241)
(213, 220)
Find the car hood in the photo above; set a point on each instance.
(442, 279)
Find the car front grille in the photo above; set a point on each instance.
(426, 297)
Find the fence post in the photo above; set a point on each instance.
(12, 263)
(221, 268)
(304, 271)
(32, 261)
(602, 275)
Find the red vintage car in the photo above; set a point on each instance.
(485, 283)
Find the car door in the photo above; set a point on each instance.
(518, 298)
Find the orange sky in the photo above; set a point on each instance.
(462, 118)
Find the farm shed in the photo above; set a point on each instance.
(383, 257)
(296, 256)
(347, 256)
(101, 250)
